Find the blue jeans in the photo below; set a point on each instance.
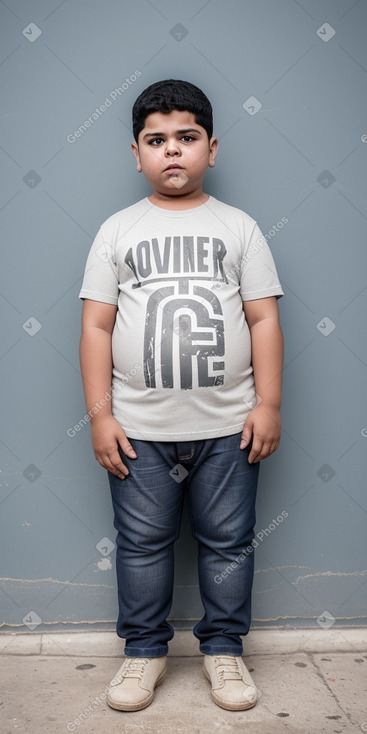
(221, 489)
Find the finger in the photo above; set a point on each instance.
(266, 450)
(127, 448)
(246, 436)
(117, 468)
(117, 474)
(256, 449)
(273, 445)
(117, 463)
(245, 440)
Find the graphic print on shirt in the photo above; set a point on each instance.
(184, 326)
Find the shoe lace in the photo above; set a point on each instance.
(135, 667)
(132, 668)
(227, 668)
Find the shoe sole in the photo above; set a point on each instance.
(142, 704)
(223, 704)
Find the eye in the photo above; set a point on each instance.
(155, 140)
(187, 138)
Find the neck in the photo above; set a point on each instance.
(185, 201)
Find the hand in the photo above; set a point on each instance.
(264, 425)
(106, 435)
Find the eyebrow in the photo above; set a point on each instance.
(178, 132)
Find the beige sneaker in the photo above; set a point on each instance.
(232, 685)
(133, 686)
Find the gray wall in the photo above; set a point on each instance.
(301, 156)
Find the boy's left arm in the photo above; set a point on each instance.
(263, 423)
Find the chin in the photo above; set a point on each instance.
(172, 190)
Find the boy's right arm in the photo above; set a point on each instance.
(98, 320)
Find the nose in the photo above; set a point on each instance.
(172, 147)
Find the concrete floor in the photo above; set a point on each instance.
(310, 682)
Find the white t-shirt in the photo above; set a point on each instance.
(181, 345)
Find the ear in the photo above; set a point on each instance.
(135, 150)
(213, 150)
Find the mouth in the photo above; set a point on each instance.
(174, 167)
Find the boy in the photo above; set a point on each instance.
(180, 310)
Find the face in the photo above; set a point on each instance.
(174, 152)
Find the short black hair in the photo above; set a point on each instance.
(172, 94)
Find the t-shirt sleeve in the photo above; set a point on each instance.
(259, 277)
(100, 281)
